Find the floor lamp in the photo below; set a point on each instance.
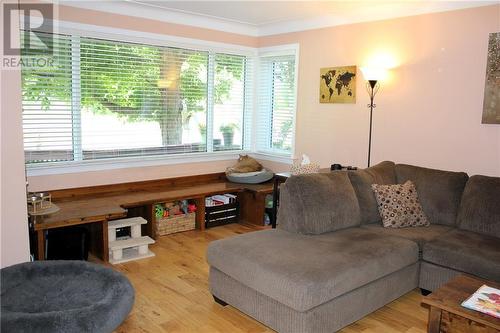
(372, 77)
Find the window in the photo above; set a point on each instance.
(276, 107)
(228, 102)
(104, 99)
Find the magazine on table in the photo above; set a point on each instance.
(486, 300)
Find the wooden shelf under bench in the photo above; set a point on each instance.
(97, 204)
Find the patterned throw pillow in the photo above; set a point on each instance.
(398, 205)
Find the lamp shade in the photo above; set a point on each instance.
(374, 73)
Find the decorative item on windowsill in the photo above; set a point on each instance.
(228, 133)
(305, 166)
(372, 75)
(39, 202)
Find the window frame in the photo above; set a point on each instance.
(276, 51)
(80, 30)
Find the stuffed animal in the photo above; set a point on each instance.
(245, 164)
(184, 206)
(191, 208)
(159, 210)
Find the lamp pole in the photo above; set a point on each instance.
(372, 86)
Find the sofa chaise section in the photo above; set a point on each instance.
(310, 270)
(325, 318)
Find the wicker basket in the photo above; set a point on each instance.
(177, 223)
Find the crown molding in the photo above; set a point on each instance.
(326, 21)
(131, 8)
(150, 11)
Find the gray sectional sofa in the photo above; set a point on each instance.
(330, 262)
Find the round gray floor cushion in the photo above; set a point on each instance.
(63, 296)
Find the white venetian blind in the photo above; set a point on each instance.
(229, 101)
(105, 99)
(47, 110)
(141, 100)
(276, 104)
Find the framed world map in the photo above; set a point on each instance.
(337, 84)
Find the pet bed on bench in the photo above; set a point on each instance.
(256, 177)
(63, 296)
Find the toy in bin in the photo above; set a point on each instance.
(174, 209)
(191, 208)
(161, 211)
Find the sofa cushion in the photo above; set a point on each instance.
(399, 206)
(439, 191)
(420, 235)
(318, 203)
(467, 252)
(382, 173)
(304, 271)
(480, 207)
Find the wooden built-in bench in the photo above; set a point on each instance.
(96, 205)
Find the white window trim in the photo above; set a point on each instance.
(273, 51)
(125, 35)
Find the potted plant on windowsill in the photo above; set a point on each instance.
(228, 133)
(203, 132)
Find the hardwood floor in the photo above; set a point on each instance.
(172, 293)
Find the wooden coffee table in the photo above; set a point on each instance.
(447, 315)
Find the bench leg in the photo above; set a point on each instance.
(219, 301)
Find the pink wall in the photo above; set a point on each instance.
(14, 224)
(428, 112)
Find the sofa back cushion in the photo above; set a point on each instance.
(318, 203)
(439, 191)
(381, 174)
(480, 207)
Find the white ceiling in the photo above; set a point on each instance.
(259, 18)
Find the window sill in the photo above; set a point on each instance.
(126, 162)
(285, 159)
(137, 162)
